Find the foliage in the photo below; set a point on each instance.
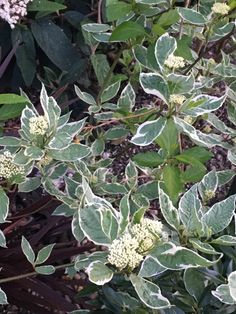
(180, 259)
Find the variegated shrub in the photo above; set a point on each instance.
(181, 257)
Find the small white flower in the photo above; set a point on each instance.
(12, 11)
(7, 167)
(174, 62)
(220, 8)
(38, 125)
(177, 99)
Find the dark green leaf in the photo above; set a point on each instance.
(173, 184)
(55, 44)
(148, 159)
(127, 30)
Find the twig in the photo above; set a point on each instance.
(7, 60)
(100, 11)
(114, 120)
(34, 273)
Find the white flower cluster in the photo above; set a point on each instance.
(177, 99)
(13, 10)
(123, 253)
(128, 251)
(174, 62)
(220, 8)
(38, 125)
(147, 233)
(7, 167)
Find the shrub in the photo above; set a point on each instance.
(177, 259)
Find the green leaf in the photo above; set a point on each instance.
(10, 99)
(127, 99)
(55, 44)
(232, 156)
(124, 213)
(150, 267)
(30, 184)
(202, 154)
(3, 297)
(99, 273)
(131, 174)
(117, 10)
(10, 141)
(76, 229)
(193, 173)
(51, 109)
(27, 250)
(219, 31)
(207, 140)
(223, 294)
(98, 147)
(209, 183)
(11, 111)
(96, 27)
(184, 46)
(110, 92)
(44, 254)
(231, 111)
(224, 176)
(83, 261)
(168, 139)
(226, 240)
(194, 282)
(149, 190)
(25, 53)
(127, 30)
(45, 270)
(232, 285)
(101, 67)
(169, 212)
(175, 257)
(63, 210)
(140, 54)
(34, 152)
(4, 201)
(203, 247)
(71, 153)
(116, 133)
(220, 215)
(92, 219)
(148, 159)
(87, 98)
(149, 293)
(189, 207)
(180, 84)
(203, 104)
(114, 188)
(44, 5)
(191, 16)
(3, 242)
(148, 132)
(173, 184)
(121, 300)
(155, 84)
(164, 47)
